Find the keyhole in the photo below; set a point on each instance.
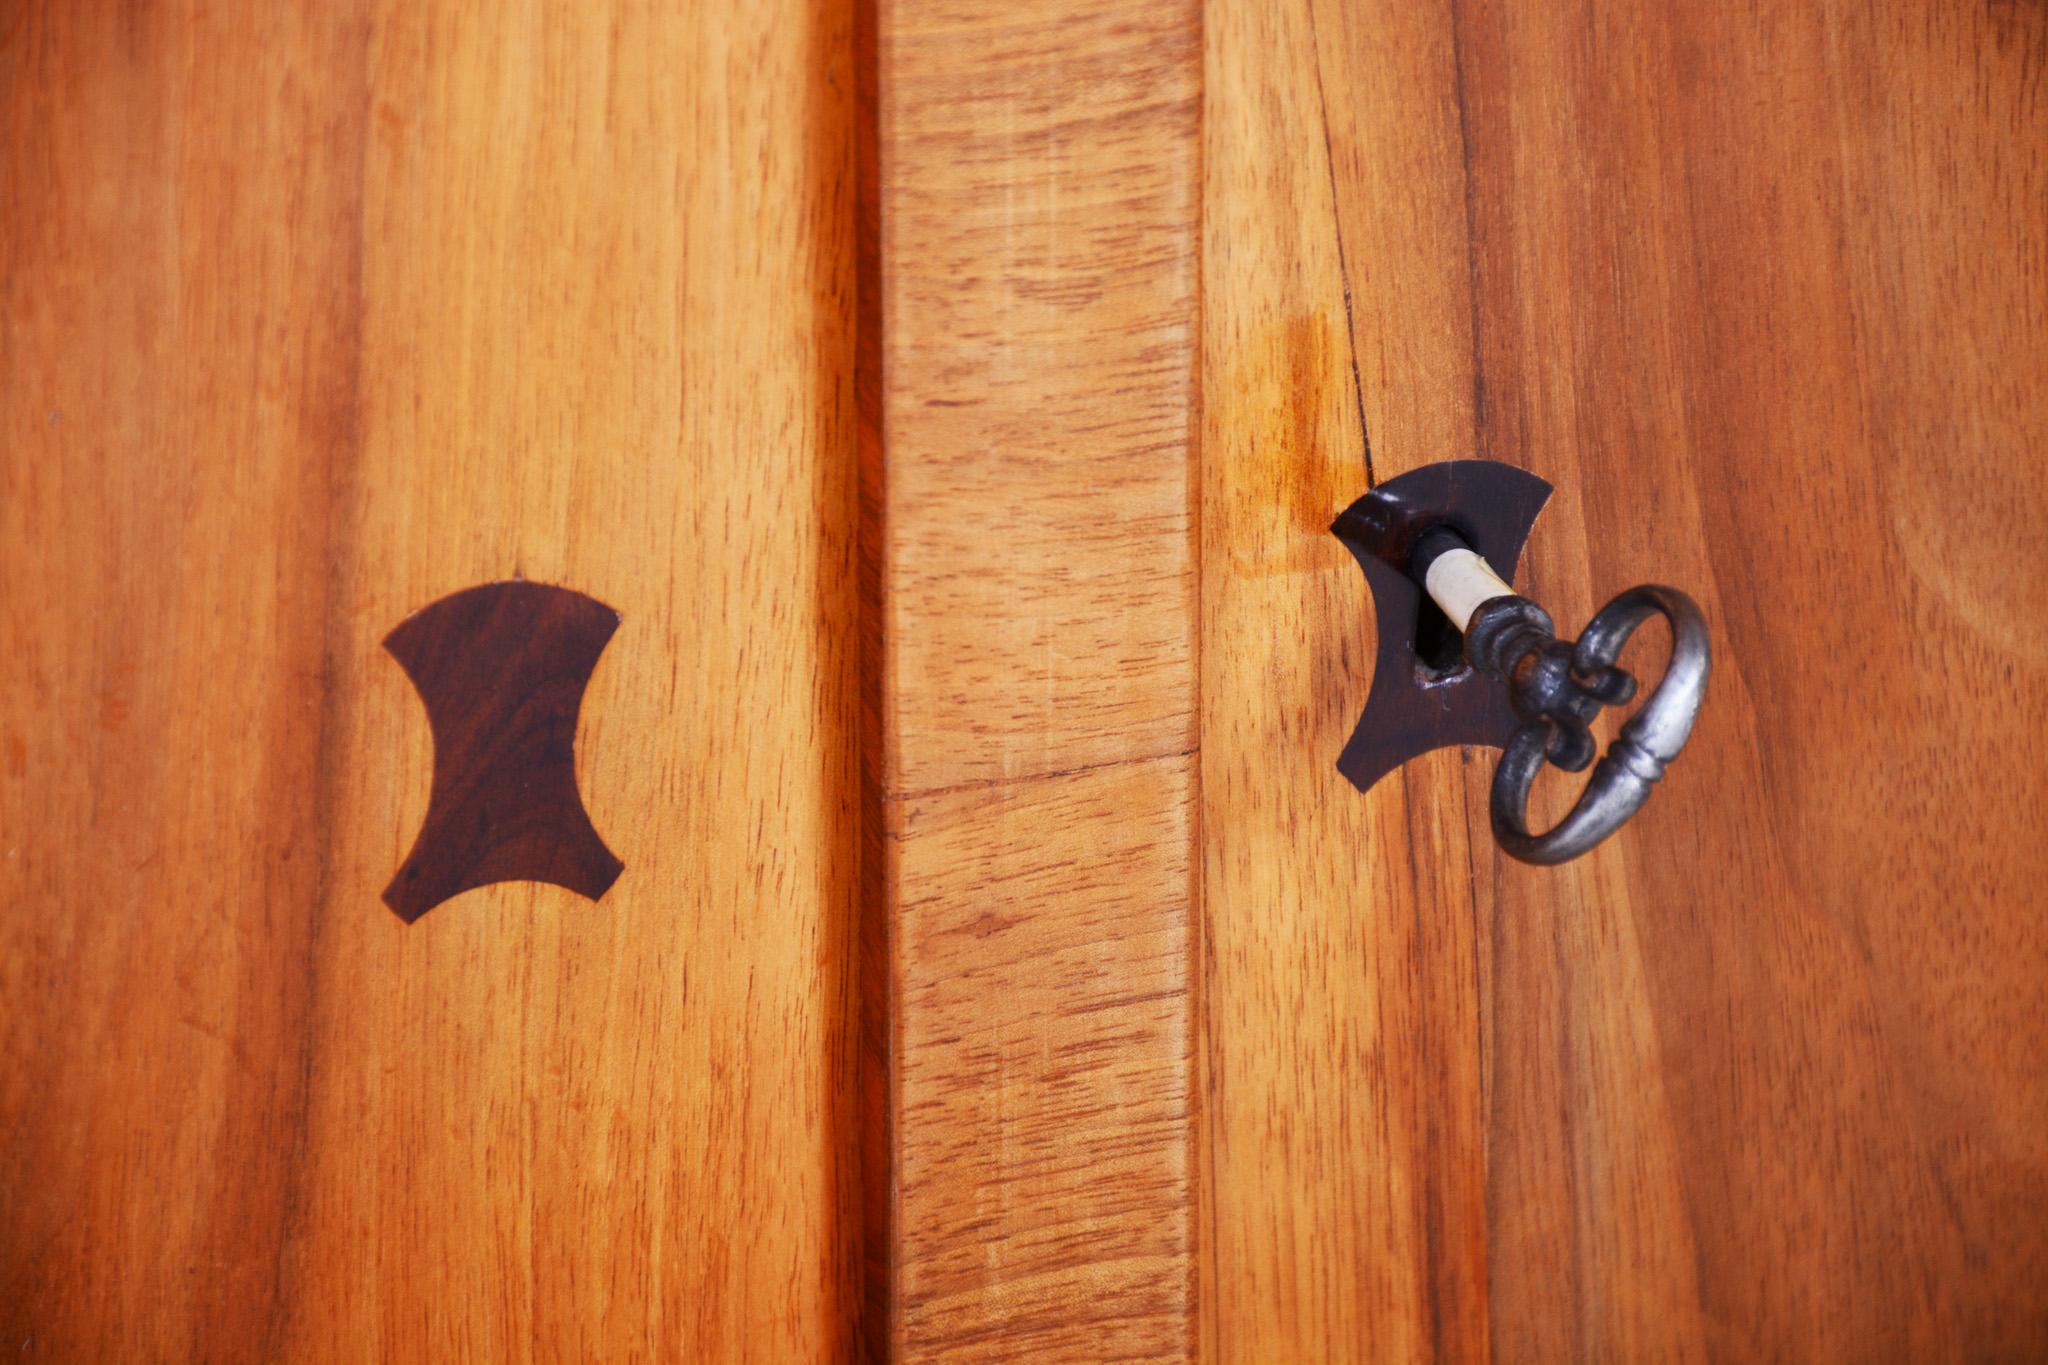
(1439, 645)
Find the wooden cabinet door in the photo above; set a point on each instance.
(316, 314)
(1764, 291)
(951, 400)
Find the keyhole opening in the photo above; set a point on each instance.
(1439, 645)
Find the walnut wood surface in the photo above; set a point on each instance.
(1764, 291)
(1036, 188)
(312, 315)
(1012, 766)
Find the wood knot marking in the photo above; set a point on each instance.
(502, 669)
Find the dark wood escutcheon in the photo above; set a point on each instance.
(502, 669)
(1413, 708)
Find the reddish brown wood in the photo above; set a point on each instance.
(310, 315)
(1763, 290)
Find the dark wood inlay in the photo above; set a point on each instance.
(1423, 694)
(502, 669)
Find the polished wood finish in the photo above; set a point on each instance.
(1343, 1109)
(313, 315)
(953, 399)
(1764, 291)
(1036, 196)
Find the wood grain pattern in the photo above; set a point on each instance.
(1763, 291)
(313, 315)
(1036, 199)
(1014, 763)
(1343, 1105)
(164, 540)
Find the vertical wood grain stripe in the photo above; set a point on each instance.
(1036, 188)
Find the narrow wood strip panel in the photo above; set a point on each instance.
(1035, 191)
(1038, 209)
(1043, 1050)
